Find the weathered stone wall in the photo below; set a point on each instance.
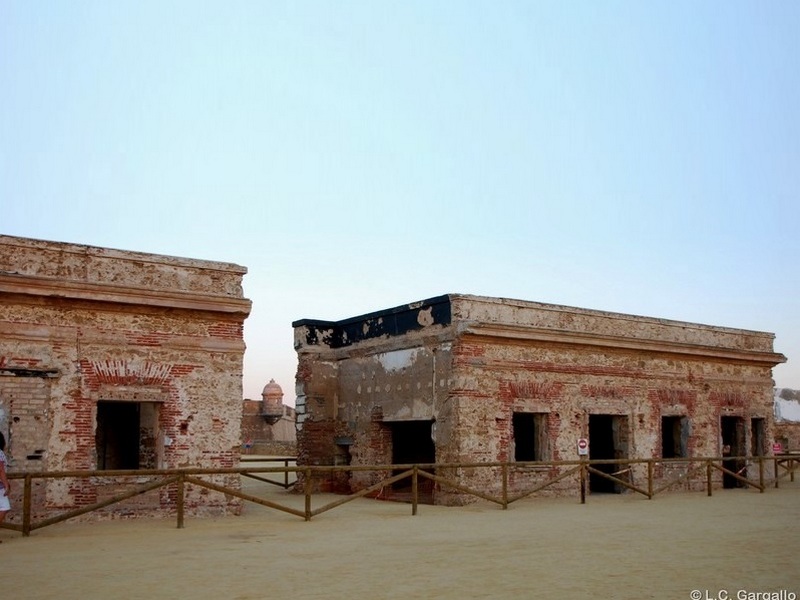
(30, 418)
(317, 395)
(473, 363)
(350, 393)
(81, 326)
(568, 384)
(570, 363)
(61, 263)
(788, 435)
(787, 419)
(268, 436)
(617, 329)
(395, 386)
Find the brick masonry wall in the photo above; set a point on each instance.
(503, 356)
(788, 434)
(571, 383)
(183, 365)
(354, 399)
(25, 410)
(264, 434)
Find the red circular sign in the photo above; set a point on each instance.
(582, 443)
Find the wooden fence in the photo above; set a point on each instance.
(784, 466)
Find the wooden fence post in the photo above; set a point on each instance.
(180, 499)
(307, 474)
(414, 490)
(286, 474)
(586, 468)
(505, 486)
(583, 481)
(26, 506)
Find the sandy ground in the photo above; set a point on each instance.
(679, 545)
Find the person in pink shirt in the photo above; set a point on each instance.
(5, 486)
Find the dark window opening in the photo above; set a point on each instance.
(117, 437)
(340, 480)
(674, 437)
(412, 442)
(126, 434)
(342, 454)
(530, 436)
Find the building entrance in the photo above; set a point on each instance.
(608, 438)
(412, 443)
(733, 445)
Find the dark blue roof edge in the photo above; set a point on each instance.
(443, 299)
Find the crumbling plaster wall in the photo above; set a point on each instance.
(356, 378)
(59, 262)
(129, 356)
(268, 436)
(500, 356)
(352, 398)
(92, 324)
(405, 384)
(566, 320)
(787, 419)
(496, 379)
(571, 363)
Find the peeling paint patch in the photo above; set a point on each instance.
(398, 359)
(425, 316)
(386, 323)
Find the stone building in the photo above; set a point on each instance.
(461, 378)
(118, 360)
(787, 419)
(268, 425)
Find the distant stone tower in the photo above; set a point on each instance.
(272, 402)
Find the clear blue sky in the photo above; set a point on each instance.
(637, 157)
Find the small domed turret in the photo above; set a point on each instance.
(272, 401)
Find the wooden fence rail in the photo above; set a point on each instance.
(783, 466)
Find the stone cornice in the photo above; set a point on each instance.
(45, 287)
(82, 251)
(525, 314)
(530, 334)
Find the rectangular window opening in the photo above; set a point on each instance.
(126, 435)
(530, 436)
(674, 437)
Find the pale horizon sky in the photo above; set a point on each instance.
(641, 158)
